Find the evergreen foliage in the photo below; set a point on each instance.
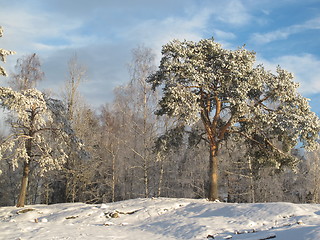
(233, 97)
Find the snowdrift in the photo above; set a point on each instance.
(162, 218)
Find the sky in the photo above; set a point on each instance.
(102, 33)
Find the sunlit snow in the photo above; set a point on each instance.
(162, 218)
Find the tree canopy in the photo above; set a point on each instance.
(234, 98)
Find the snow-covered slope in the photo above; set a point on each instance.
(162, 218)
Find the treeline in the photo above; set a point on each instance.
(129, 152)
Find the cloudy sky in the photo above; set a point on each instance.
(103, 32)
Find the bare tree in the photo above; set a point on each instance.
(72, 100)
(71, 94)
(144, 102)
(28, 73)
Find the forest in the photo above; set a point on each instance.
(152, 140)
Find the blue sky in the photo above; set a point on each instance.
(103, 33)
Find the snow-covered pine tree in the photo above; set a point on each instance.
(231, 97)
(29, 142)
(40, 135)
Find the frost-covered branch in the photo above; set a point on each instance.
(3, 54)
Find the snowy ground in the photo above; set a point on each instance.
(162, 218)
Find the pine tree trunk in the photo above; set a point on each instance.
(24, 185)
(213, 174)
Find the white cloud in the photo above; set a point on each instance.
(234, 13)
(27, 28)
(284, 33)
(103, 32)
(155, 33)
(304, 67)
(217, 33)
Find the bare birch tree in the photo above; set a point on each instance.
(28, 73)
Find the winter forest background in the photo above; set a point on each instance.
(114, 152)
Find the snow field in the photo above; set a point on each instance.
(163, 219)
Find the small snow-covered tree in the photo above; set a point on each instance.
(3, 54)
(232, 97)
(71, 144)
